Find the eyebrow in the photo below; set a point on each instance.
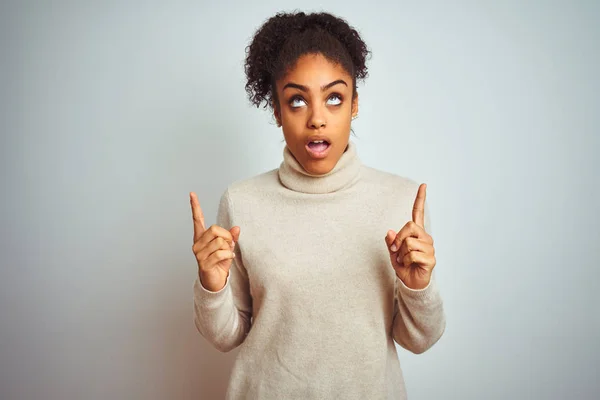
(305, 89)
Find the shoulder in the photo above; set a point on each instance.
(253, 187)
(243, 196)
(394, 192)
(377, 179)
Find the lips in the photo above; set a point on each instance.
(313, 138)
(318, 150)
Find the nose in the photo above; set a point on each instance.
(317, 118)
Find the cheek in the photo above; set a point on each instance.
(343, 119)
(288, 114)
(293, 118)
(293, 123)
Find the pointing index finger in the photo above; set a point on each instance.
(418, 213)
(198, 217)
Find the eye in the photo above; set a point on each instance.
(335, 99)
(296, 101)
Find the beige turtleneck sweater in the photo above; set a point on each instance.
(312, 298)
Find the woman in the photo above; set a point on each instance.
(302, 270)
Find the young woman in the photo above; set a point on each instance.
(302, 270)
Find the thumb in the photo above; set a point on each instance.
(235, 232)
(389, 237)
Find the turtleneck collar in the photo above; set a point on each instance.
(345, 173)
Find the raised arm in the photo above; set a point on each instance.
(222, 315)
(419, 320)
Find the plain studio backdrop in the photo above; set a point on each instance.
(112, 113)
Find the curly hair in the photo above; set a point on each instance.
(283, 38)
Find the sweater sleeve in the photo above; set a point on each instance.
(224, 317)
(419, 319)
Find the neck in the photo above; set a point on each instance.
(344, 174)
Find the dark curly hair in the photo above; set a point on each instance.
(283, 38)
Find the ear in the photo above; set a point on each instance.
(277, 115)
(355, 106)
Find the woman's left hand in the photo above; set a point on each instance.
(413, 256)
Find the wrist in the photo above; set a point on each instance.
(211, 281)
(420, 284)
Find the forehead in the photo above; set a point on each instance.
(315, 70)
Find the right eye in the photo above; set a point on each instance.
(297, 102)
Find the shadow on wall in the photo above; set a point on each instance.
(208, 369)
(191, 367)
(212, 369)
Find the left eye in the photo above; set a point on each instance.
(334, 100)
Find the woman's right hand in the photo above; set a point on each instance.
(213, 248)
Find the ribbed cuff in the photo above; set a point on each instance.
(210, 299)
(428, 292)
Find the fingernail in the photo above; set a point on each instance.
(394, 248)
(398, 259)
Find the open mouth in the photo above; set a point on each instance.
(318, 148)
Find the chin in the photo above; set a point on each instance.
(317, 167)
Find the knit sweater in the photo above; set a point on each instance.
(312, 298)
